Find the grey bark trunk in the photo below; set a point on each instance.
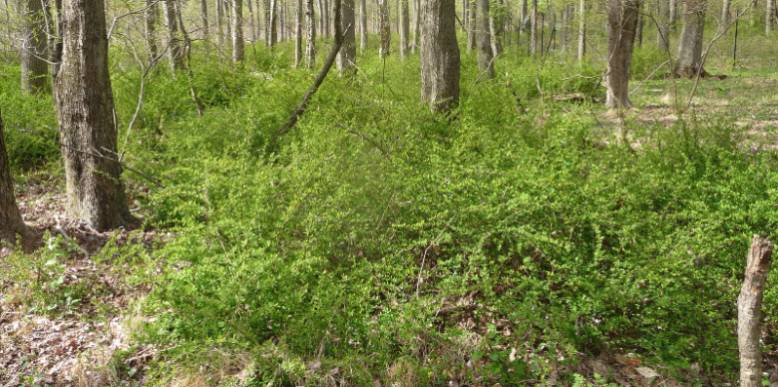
(204, 19)
(663, 26)
(347, 55)
(725, 15)
(484, 40)
(622, 23)
(95, 193)
(581, 30)
(405, 25)
(219, 22)
(35, 69)
(298, 34)
(252, 21)
(416, 25)
(11, 223)
(533, 29)
(439, 55)
(769, 16)
(749, 308)
(56, 46)
(384, 25)
(150, 19)
(310, 29)
(273, 24)
(690, 48)
(472, 14)
(176, 51)
(238, 44)
(363, 26)
(673, 13)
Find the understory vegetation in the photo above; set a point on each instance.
(508, 242)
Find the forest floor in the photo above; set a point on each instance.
(75, 345)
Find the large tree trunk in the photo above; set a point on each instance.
(534, 45)
(347, 56)
(725, 15)
(363, 26)
(690, 48)
(416, 25)
(238, 44)
(386, 33)
(405, 25)
(204, 19)
(150, 19)
(11, 223)
(484, 40)
(496, 24)
(219, 22)
(310, 29)
(622, 23)
(581, 30)
(273, 24)
(252, 21)
(663, 25)
(749, 312)
(298, 34)
(472, 24)
(95, 193)
(35, 70)
(176, 50)
(673, 13)
(439, 55)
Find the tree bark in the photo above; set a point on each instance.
(252, 21)
(363, 26)
(440, 63)
(484, 40)
(673, 13)
(238, 44)
(95, 192)
(56, 46)
(472, 23)
(204, 19)
(150, 19)
(416, 25)
(11, 223)
(663, 25)
(35, 69)
(219, 22)
(273, 24)
(347, 55)
(690, 48)
(769, 16)
(533, 29)
(386, 33)
(725, 15)
(176, 51)
(581, 30)
(622, 23)
(749, 308)
(405, 25)
(310, 29)
(298, 34)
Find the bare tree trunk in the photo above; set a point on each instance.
(749, 308)
(259, 16)
(176, 50)
(363, 26)
(496, 20)
(273, 24)
(386, 35)
(533, 29)
(564, 30)
(663, 25)
(219, 22)
(523, 18)
(298, 34)
(35, 70)
(405, 27)
(57, 45)
(472, 14)
(11, 223)
(95, 193)
(690, 48)
(581, 30)
(227, 5)
(439, 55)
(326, 18)
(252, 21)
(641, 19)
(310, 28)
(673, 13)
(769, 16)
(622, 24)
(725, 15)
(483, 38)
(204, 18)
(416, 25)
(150, 25)
(238, 44)
(347, 56)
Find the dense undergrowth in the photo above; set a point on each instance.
(505, 243)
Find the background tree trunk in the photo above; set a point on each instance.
(310, 29)
(298, 34)
(439, 55)
(405, 26)
(663, 26)
(690, 47)
(219, 22)
(672, 13)
(533, 29)
(150, 19)
(749, 308)
(363, 26)
(386, 32)
(238, 44)
(273, 24)
(35, 69)
(472, 14)
(581, 30)
(622, 23)
(416, 25)
(347, 56)
(204, 18)
(725, 15)
(769, 16)
(95, 193)
(252, 21)
(484, 40)
(11, 223)
(176, 50)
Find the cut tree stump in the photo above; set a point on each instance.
(749, 311)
